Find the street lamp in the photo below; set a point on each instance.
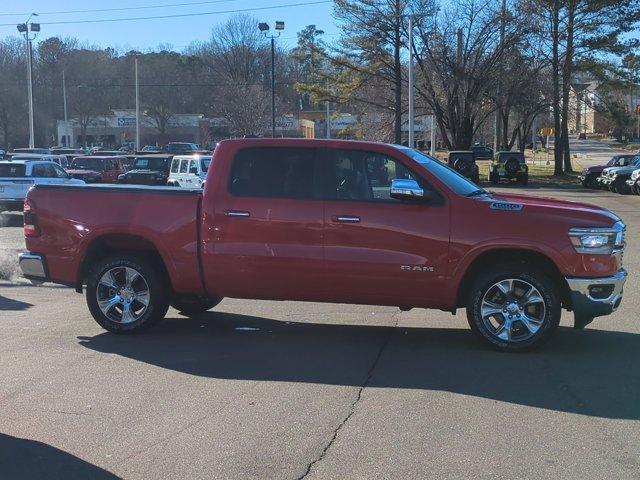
(264, 28)
(24, 28)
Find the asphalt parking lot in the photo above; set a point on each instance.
(287, 390)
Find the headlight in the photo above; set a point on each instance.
(614, 176)
(598, 241)
(635, 174)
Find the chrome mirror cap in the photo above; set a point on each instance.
(402, 188)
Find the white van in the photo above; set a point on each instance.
(188, 171)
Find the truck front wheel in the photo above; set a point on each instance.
(126, 294)
(514, 308)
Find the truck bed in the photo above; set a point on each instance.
(75, 219)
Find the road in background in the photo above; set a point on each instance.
(282, 390)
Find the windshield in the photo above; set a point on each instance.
(87, 164)
(205, 164)
(455, 181)
(150, 164)
(181, 147)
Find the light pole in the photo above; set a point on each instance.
(25, 28)
(411, 80)
(264, 28)
(137, 104)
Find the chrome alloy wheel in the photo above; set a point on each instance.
(513, 310)
(122, 294)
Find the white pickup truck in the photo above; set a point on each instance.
(18, 176)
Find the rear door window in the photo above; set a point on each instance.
(12, 170)
(175, 165)
(274, 172)
(184, 166)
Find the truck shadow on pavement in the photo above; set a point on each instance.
(28, 459)
(590, 372)
(9, 304)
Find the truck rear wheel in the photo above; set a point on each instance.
(514, 308)
(191, 308)
(126, 294)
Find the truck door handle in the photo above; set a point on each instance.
(347, 219)
(238, 213)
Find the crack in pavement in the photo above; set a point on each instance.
(354, 404)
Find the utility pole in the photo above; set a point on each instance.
(137, 104)
(64, 96)
(264, 28)
(34, 28)
(328, 119)
(411, 143)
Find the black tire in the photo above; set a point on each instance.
(511, 166)
(154, 280)
(463, 167)
(590, 182)
(190, 308)
(524, 179)
(494, 177)
(484, 287)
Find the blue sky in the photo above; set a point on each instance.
(148, 34)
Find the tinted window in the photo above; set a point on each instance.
(205, 162)
(361, 175)
(9, 170)
(273, 172)
(175, 165)
(184, 165)
(44, 171)
(87, 163)
(59, 172)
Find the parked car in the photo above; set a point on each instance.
(509, 166)
(39, 151)
(482, 152)
(180, 148)
(59, 159)
(95, 169)
(148, 170)
(151, 149)
(17, 176)
(615, 178)
(70, 153)
(464, 162)
(297, 219)
(634, 182)
(589, 177)
(107, 153)
(188, 171)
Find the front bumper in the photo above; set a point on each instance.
(631, 182)
(34, 267)
(606, 181)
(595, 297)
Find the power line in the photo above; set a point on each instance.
(120, 9)
(157, 17)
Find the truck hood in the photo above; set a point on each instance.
(83, 173)
(594, 169)
(577, 214)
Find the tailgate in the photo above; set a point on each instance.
(14, 188)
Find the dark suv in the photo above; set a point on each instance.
(482, 152)
(508, 166)
(148, 170)
(464, 162)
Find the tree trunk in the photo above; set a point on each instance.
(555, 66)
(567, 72)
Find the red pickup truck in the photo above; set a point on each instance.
(328, 221)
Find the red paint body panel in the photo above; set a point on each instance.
(295, 249)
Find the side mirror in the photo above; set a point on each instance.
(407, 189)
